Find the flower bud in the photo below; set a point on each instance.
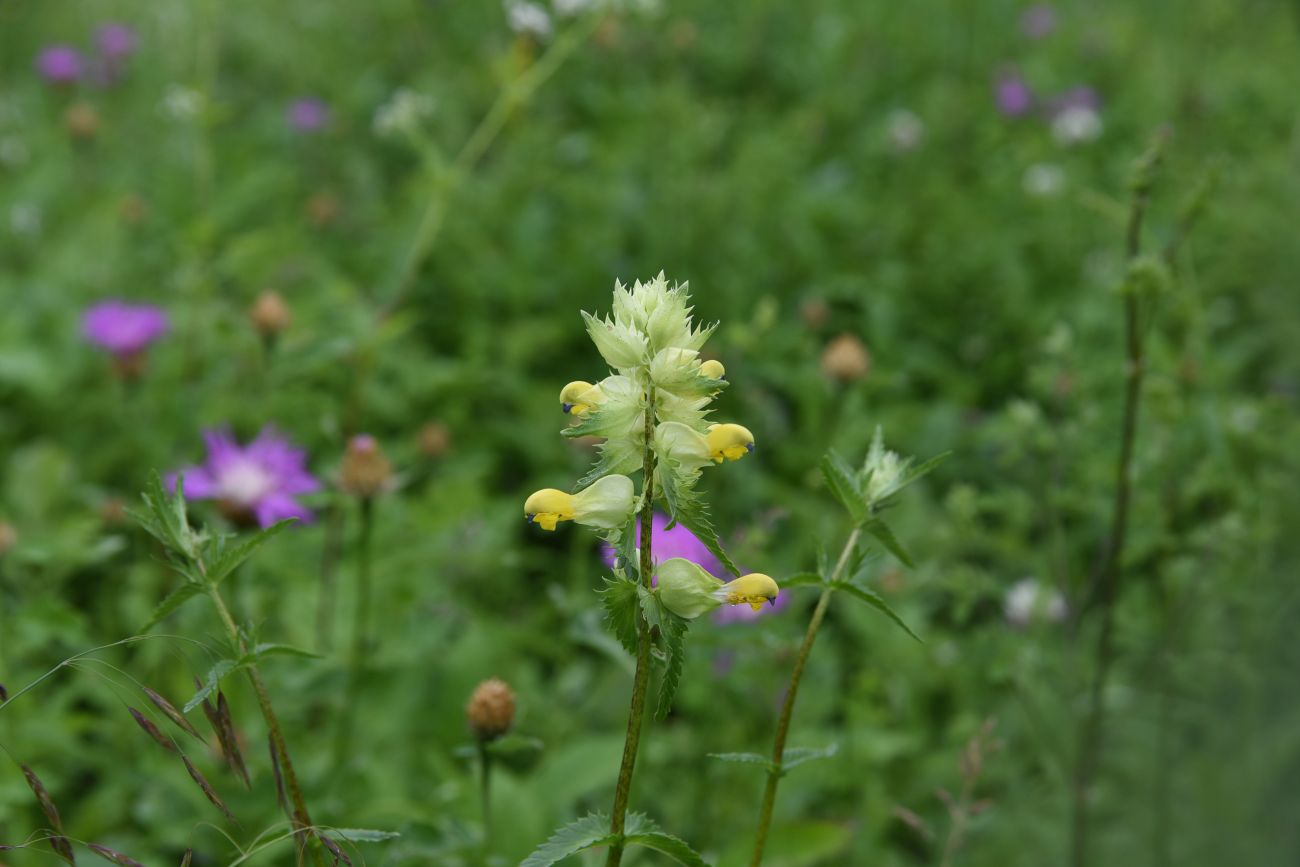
(713, 369)
(579, 398)
(728, 442)
(884, 470)
(491, 710)
(366, 472)
(434, 439)
(846, 359)
(8, 537)
(269, 314)
(82, 121)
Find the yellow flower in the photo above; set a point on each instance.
(729, 442)
(578, 397)
(605, 504)
(713, 369)
(753, 589)
(688, 590)
(548, 507)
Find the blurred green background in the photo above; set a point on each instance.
(887, 239)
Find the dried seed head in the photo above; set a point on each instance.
(4, 694)
(230, 740)
(269, 314)
(814, 312)
(113, 855)
(846, 359)
(366, 472)
(82, 121)
(187, 857)
(491, 709)
(208, 791)
(152, 730)
(335, 851)
(8, 537)
(170, 711)
(434, 439)
(58, 843)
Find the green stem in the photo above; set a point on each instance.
(301, 819)
(1110, 574)
(774, 773)
(485, 790)
(511, 96)
(360, 629)
(641, 680)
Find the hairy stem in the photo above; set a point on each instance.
(641, 680)
(330, 549)
(1110, 573)
(360, 628)
(787, 708)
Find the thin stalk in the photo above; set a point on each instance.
(330, 548)
(301, 819)
(360, 627)
(787, 709)
(511, 96)
(485, 790)
(641, 680)
(1109, 576)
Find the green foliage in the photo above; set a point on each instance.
(593, 830)
(873, 599)
(620, 599)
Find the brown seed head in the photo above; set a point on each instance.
(82, 121)
(846, 359)
(491, 709)
(434, 439)
(269, 314)
(366, 472)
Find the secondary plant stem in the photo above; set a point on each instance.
(360, 627)
(485, 786)
(774, 773)
(636, 713)
(1090, 738)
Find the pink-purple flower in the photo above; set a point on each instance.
(1039, 21)
(60, 64)
(115, 41)
(121, 328)
(255, 483)
(1012, 94)
(308, 114)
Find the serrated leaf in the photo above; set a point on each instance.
(879, 529)
(673, 847)
(228, 558)
(625, 552)
(622, 610)
(674, 633)
(844, 484)
(875, 601)
(593, 830)
(651, 608)
(364, 835)
(172, 601)
(925, 467)
(793, 758)
(801, 579)
(694, 516)
(220, 669)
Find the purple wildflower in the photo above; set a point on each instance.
(1039, 21)
(308, 114)
(121, 328)
(116, 41)
(60, 64)
(258, 482)
(1012, 94)
(665, 544)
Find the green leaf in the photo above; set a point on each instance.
(673, 630)
(797, 756)
(802, 844)
(878, 528)
(220, 669)
(622, 609)
(364, 835)
(844, 484)
(519, 753)
(692, 514)
(164, 516)
(585, 833)
(172, 601)
(626, 551)
(671, 846)
(801, 579)
(925, 468)
(264, 650)
(228, 558)
(652, 608)
(875, 601)
(744, 759)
